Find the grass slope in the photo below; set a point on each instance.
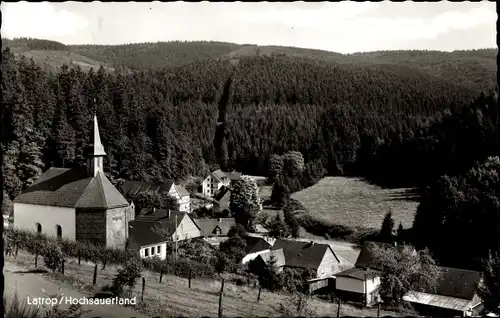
(352, 202)
(173, 297)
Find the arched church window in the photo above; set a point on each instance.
(58, 231)
(38, 228)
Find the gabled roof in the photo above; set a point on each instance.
(256, 244)
(303, 254)
(131, 188)
(72, 188)
(359, 273)
(208, 226)
(223, 191)
(441, 301)
(164, 219)
(458, 283)
(143, 234)
(219, 174)
(365, 258)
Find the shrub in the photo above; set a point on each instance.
(53, 256)
(128, 275)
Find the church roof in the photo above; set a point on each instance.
(73, 189)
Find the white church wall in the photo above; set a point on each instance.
(27, 215)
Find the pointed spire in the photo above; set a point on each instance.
(96, 140)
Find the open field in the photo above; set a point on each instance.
(173, 297)
(353, 202)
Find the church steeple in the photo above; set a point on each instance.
(95, 153)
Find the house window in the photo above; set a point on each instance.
(38, 228)
(59, 231)
(158, 249)
(152, 251)
(146, 252)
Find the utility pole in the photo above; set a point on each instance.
(175, 233)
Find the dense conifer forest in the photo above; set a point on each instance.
(378, 120)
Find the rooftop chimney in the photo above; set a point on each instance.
(169, 214)
(395, 244)
(312, 243)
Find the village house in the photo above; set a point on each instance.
(76, 204)
(175, 225)
(255, 247)
(130, 189)
(215, 231)
(146, 240)
(362, 283)
(216, 179)
(306, 255)
(454, 295)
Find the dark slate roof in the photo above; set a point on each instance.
(143, 234)
(365, 258)
(256, 244)
(221, 193)
(208, 226)
(72, 188)
(131, 188)
(302, 254)
(458, 283)
(358, 273)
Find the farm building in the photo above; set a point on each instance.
(455, 295)
(308, 255)
(78, 204)
(216, 230)
(362, 282)
(146, 241)
(174, 225)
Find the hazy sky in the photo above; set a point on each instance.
(343, 27)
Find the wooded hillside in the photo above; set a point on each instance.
(346, 118)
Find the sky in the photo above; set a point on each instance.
(343, 27)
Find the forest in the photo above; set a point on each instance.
(372, 120)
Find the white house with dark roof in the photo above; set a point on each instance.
(216, 179)
(76, 204)
(154, 229)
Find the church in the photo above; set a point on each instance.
(78, 204)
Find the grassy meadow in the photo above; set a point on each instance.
(353, 202)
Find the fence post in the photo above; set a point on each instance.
(94, 281)
(161, 274)
(143, 287)
(36, 259)
(338, 307)
(62, 267)
(79, 257)
(17, 248)
(258, 296)
(220, 298)
(189, 278)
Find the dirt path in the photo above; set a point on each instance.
(27, 284)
